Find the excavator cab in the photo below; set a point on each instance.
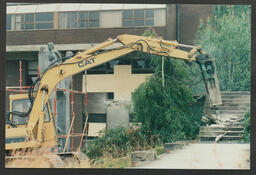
(19, 107)
(16, 124)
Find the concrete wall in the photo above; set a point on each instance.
(171, 22)
(117, 115)
(190, 17)
(74, 36)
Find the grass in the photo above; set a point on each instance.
(109, 162)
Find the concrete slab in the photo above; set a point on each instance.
(204, 156)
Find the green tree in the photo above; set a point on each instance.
(167, 110)
(226, 37)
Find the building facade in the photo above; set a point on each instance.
(75, 27)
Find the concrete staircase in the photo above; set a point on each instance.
(230, 116)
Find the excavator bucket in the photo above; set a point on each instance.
(209, 73)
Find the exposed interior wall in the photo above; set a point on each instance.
(122, 82)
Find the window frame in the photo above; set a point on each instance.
(34, 22)
(11, 16)
(133, 18)
(78, 20)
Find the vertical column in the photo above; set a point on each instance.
(171, 22)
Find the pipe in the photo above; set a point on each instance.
(178, 22)
(20, 63)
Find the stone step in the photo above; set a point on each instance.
(224, 138)
(216, 133)
(238, 119)
(235, 108)
(218, 128)
(237, 112)
(235, 96)
(231, 101)
(236, 92)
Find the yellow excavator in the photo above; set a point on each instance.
(29, 122)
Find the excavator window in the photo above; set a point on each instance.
(22, 106)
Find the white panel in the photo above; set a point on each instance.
(11, 9)
(134, 6)
(154, 6)
(46, 8)
(13, 22)
(89, 7)
(109, 19)
(160, 17)
(79, 7)
(69, 7)
(26, 9)
(112, 6)
(95, 128)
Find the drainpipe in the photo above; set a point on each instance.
(178, 22)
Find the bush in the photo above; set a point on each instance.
(120, 141)
(247, 126)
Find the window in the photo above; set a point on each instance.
(23, 106)
(138, 18)
(19, 22)
(34, 21)
(69, 20)
(8, 22)
(110, 96)
(29, 21)
(44, 21)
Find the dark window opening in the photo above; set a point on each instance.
(96, 118)
(110, 96)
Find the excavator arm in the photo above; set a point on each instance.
(94, 57)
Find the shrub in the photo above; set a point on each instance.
(120, 141)
(247, 125)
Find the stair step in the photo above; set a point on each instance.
(238, 112)
(236, 92)
(231, 100)
(216, 133)
(218, 128)
(224, 138)
(230, 108)
(235, 96)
